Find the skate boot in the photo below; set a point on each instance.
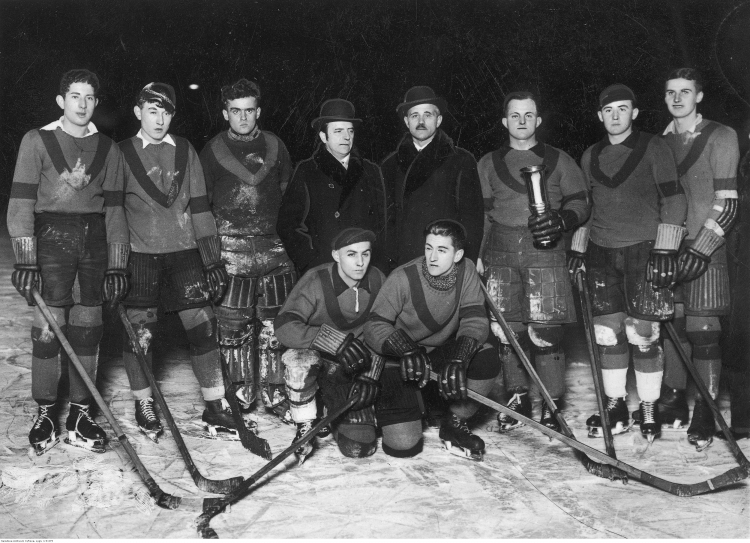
(82, 430)
(46, 430)
(521, 404)
(218, 417)
(244, 398)
(650, 423)
(617, 410)
(673, 409)
(147, 420)
(459, 440)
(702, 428)
(305, 450)
(548, 417)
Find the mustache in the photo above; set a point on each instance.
(422, 126)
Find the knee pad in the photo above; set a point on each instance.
(301, 368)
(545, 338)
(517, 327)
(143, 321)
(404, 439)
(642, 333)
(85, 329)
(43, 339)
(608, 330)
(356, 440)
(485, 364)
(703, 330)
(200, 328)
(85, 316)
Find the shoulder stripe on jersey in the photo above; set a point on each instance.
(58, 157)
(229, 162)
(636, 155)
(333, 307)
(696, 149)
(136, 166)
(420, 303)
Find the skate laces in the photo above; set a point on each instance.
(647, 411)
(44, 413)
(83, 413)
(460, 424)
(303, 428)
(612, 403)
(513, 404)
(147, 408)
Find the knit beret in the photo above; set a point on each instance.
(350, 236)
(616, 93)
(160, 93)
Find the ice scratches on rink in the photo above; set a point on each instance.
(526, 487)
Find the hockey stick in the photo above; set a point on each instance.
(162, 499)
(254, 444)
(223, 486)
(214, 506)
(701, 386)
(596, 364)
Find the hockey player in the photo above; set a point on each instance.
(427, 178)
(67, 227)
(530, 285)
(247, 171)
(335, 188)
(322, 324)
(707, 154)
(635, 230)
(430, 312)
(175, 259)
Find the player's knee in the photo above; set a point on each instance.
(642, 333)
(403, 440)
(202, 334)
(485, 364)
(143, 321)
(356, 440)
(44, 343)
(703, 330)
(545, 337)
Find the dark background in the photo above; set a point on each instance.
(370, 52)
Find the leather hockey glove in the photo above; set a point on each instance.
(414, 361)
(366, 386)
(213, 267)
(661, 270)
(550, 225)
(116, 278)
(26, 274)
(695, 258)
(350, 352)
(577, 252)
(452, 383)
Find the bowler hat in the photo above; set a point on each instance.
(420, 95)
(336, 109)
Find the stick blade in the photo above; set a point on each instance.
(222, 486)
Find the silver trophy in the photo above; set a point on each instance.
(536, 189)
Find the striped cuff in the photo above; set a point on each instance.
(669, 237)
(24, 249)
(712, 225)
(210, 249)
(378, 363)
(707, 241)
(724, 194)
(328, 339)
(398, 343)
(580, 239)
(117, 256)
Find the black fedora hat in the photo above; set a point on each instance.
(336, 109)
(420, 95)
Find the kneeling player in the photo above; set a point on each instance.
(322, 324)
(434, 305)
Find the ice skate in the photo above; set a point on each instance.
(45, 432)
(83, 432)
(619, 420)
(548, 418)
(702, 428)
(650, 423)
(521, 404)
(458, 439)
(305, 450)
(147, 420)
(219, 421)
(672, 408)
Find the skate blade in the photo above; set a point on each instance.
(505, 429)
(38, 449)
(463, 453)
(95, 447)
(619, 428)
(651, 437)
(702, 444)
(153, 436)
(221, 432)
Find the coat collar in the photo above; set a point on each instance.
(339, 287)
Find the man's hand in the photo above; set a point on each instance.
(415, 366)
(24, 278)
(691, 265)
(353, 355)
(547, 227)
(576, 263)
(116, 286)
(217, 279)
(366, 390)
(452, 383)
(661, 271)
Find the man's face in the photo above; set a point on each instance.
(681, 97)
(353, 260)
(339, 138)
(440, 254)
(618, 117)
(155, 121)
(521, 119)
(78, 104)
(242, 114)
(423, 121)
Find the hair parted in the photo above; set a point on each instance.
(242, 88)
(79, 76)
(691, 74)
(520, 95)
(450, 229)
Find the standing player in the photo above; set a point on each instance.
(530, 285)
(430, 312)
(707, 154)
(175, 259)
(322, 324)
(639, 208)
(247, 171)
(67, 226)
